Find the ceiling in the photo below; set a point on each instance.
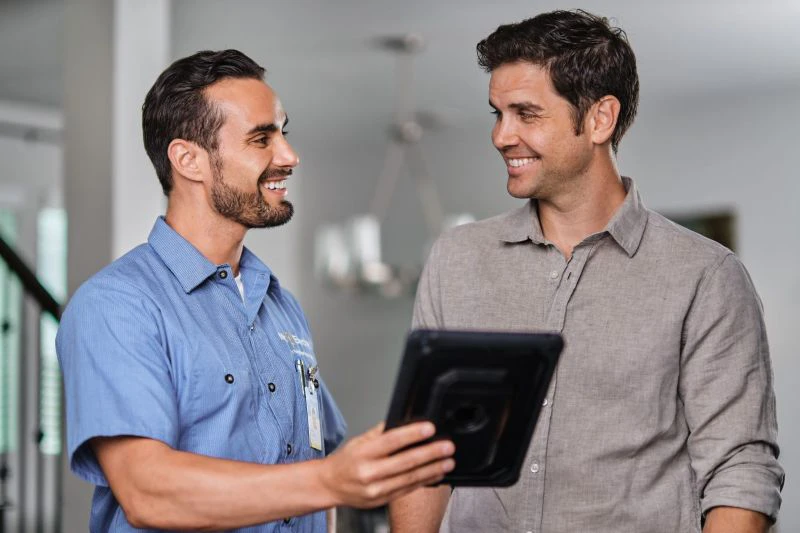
(682, 48)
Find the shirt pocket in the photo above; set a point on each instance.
(220, 418)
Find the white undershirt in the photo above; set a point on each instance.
(238, 280)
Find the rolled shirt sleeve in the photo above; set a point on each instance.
(116, 371)
(726, 385)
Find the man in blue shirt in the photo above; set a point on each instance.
(194, 399)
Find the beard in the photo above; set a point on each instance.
(249, 208)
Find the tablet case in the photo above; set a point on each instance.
(482, 390)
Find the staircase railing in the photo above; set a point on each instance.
(30, 480)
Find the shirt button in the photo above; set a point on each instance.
(229, 378)
(288, 449)
(223, 274)
(553, 274)
(271, 387)
(252, 327)
(545, 402)
(535, 467)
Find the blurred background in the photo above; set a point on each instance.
(714, 146)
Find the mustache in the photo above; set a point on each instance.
(272, 173)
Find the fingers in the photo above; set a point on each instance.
(412, 459)
(390, 488)
(398, 438)
(377, 466)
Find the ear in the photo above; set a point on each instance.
(188, 160)
(603, 119)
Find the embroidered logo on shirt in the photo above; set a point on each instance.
(296, 344)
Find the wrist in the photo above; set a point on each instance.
(325, 483)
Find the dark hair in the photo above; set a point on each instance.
(585, 56)
(176, 106)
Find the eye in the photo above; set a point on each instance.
(263, 140)
(494, 112)
(524, 115)
(285, 133)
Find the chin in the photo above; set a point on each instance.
(520, 191)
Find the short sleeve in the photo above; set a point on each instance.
(117, 378)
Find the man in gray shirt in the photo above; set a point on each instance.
(661, 416)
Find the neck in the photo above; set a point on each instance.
(582, 210)
(219, 240)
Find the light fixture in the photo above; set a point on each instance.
(349, 255)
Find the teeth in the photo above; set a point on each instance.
(520, 162)
(273, 185)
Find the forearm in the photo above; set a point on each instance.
(420, 511)
(177, 490)
(162, 488)
(735, 520)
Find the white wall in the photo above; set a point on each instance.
(141, 52)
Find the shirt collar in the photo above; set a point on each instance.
(522, 224)
(250, 261)
(188, 265)
(626, 227)
(628, 223)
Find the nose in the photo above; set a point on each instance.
(504, 134)
(285, 156)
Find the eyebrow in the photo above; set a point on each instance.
(521, 106)
(526, 106)
(267, 128)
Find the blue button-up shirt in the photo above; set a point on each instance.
(160, 344)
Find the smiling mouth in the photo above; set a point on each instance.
(520, 162)
(275, 185)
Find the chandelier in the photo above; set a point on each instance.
(348, 255)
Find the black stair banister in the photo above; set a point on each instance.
(30, 282)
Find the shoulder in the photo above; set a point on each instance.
(289, 300)
(128, 281)
(114, 307)
(710, 267)
(684, 245)
(476, 237)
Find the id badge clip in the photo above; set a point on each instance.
(309, 385)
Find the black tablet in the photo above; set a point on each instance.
(482, 390)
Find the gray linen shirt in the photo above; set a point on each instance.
(662, 405)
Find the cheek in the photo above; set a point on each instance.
(253, 166)
(537, 139)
